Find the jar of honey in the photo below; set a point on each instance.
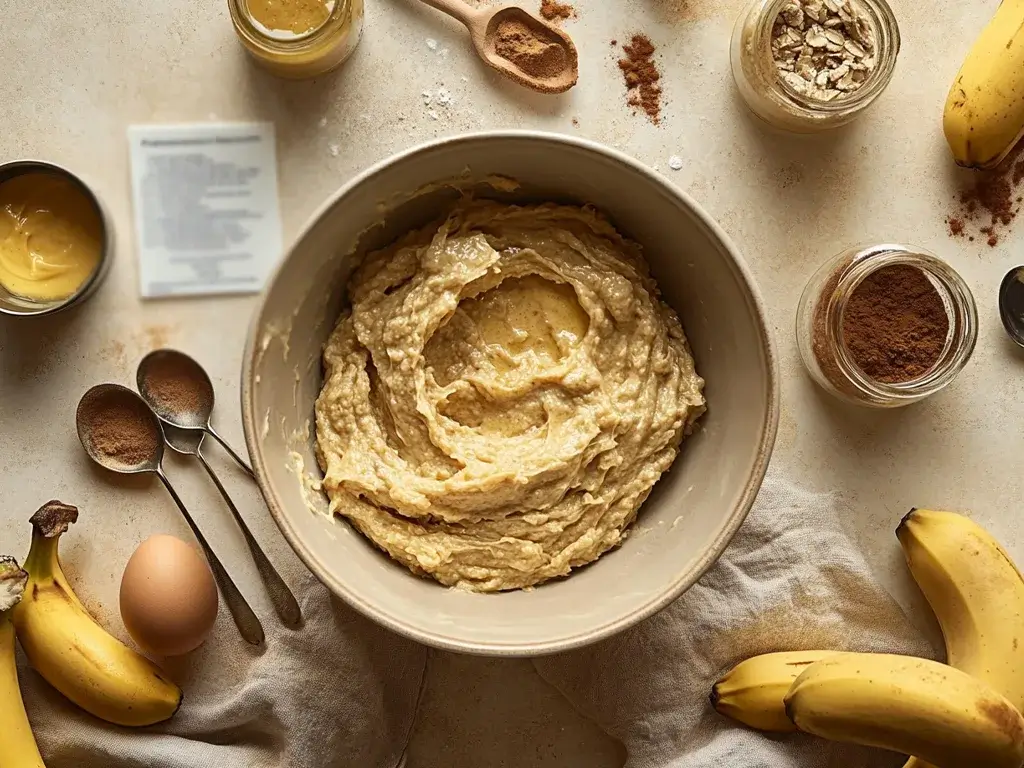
(298, 39)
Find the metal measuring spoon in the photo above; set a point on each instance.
(190, 442)
(181, 394)
(121, 433)
(1011, 304)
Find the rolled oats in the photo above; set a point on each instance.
(823, 49)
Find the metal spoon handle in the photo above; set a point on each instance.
(231, 452)
(281, 596)
(248, 624)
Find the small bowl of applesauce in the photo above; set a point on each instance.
(55, 242)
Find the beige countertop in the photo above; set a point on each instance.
(76, 75)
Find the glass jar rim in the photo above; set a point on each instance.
(258, 36)
(886, 28)
(957, 299)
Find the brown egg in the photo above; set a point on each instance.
(168, 597)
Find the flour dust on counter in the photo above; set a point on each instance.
(206, 207)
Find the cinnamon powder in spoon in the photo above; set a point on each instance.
(119, 428)
(173, 386)
(538, 58)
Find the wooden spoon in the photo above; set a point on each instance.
(551, 65)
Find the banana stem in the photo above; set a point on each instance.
(48, 523)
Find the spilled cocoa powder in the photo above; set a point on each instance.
(988, 207)
(517, 43)
(643, 86)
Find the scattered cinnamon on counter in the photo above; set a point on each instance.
(552, 9)
(642, 77)
(991, 204)
(538, 58)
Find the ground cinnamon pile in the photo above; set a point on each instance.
(519, 44)
(552, 9)
(895, 324)
(643, 85)
(991, 204)
(121, 428)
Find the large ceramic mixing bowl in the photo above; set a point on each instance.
(695, 508)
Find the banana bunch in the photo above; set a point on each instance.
(19, 745)
(984, 115)
(909, 705)
(753, 690)
(976, 593)
(71, 651)
(901, 703)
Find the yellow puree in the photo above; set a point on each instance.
(297, 16)
(50, 237)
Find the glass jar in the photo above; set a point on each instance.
(772, 99)
(301, 55)
(820, 336)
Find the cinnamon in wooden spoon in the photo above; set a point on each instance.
(520, 46)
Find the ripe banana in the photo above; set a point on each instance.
(977, 595)
(752, 691)
(909, 705)
(74, 653)
(19, 745)
(984, 115)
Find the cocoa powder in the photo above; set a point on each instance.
(894, 326)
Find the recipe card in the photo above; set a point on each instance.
(206, 208)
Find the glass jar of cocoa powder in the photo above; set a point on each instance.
(886, 325)
(811, 65)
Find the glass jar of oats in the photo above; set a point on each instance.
(811, 65)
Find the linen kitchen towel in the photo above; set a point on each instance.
(339, 693)
(790, 580)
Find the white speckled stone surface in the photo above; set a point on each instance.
(75, 75)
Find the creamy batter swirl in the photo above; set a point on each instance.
(503, 395)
